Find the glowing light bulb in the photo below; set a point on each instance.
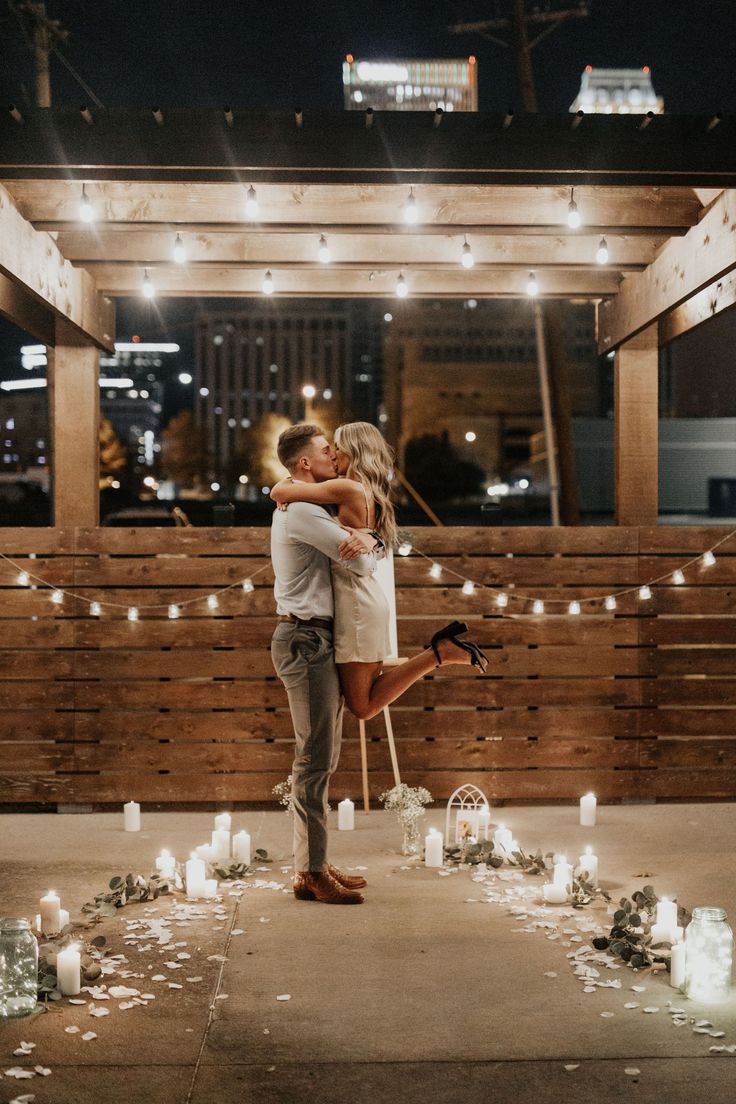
(309, 390)
(147, 287)
(610, 602)
(401, 288)
(411, 211)
(267, 285)
(132, 613)
(95, 609)
(248, 587)
(86, 211)
(174, 612)
(709, 559)
(435, 571)
(602, 252)
(180, 253)
(468, 587)
(538, 606)
(502, 599)
(470, 436)
(404, 548)
(645, 593)
(574, 608)
(23, 578)
(323, 250)
(251, 203)
(57, 597)
(212, 602)
(532, 287)
(678, 578)
(467, 260)
(573, 215)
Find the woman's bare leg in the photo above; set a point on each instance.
(369, 687)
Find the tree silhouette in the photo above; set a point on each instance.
(185, 456)
(113, 453)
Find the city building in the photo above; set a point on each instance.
(468, 370)
(410, 84)
(617, 92)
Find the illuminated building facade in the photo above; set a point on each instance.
(617, 92)
(419, 84)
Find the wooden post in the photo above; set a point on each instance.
(74, 414)
(636, 430)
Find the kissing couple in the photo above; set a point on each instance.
(334, 520)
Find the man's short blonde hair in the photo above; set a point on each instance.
(294, 440)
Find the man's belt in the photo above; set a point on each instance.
(310, 622)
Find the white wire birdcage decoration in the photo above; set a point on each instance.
(472, 817)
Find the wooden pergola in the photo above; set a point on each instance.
(657, 188)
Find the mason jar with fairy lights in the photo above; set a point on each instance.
(708, 956)
(18, 968)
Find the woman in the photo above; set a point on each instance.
(361, 493)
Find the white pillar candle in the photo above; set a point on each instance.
(514, 846)
(166, 864)
(132, 816)
(554, 894)
(241, 847)
(433, 848)
(63, 918)
(484, 822)
(663, 933)
(210, 888)
(204, 851)
(503, 838)
(677, 966)
(589, 862)
(221, 844)
(50, 907)
(587, 810)
(562, 873)
(195, 877)
(223, 820)
(346, 815)
(667, 913)
(67, 971)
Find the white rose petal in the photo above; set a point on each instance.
(284, 997)
(99, 1012)
(607, 1015)
(650, 1008)
(631, 1004)
(19, 1073)
(89, 1035)
(71, 1030)
(632, 1071)
(42, 1071)
(572, 1067)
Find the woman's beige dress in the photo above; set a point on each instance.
(361, 615)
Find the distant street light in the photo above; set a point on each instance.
(308, 391)
(185, 377)
(470, 436)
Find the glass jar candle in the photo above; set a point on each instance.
(708, 956)
(18, 968)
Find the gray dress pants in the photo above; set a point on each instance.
(304, 659)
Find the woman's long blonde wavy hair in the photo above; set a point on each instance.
(370, 461)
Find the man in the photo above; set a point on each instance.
(304, 539)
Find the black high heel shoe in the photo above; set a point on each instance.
(451, 632)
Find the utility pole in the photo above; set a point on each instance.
(42, 35)
(553, 373)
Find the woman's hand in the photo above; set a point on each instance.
(276, 490)
(357, 543)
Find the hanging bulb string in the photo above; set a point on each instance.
(511, 592)
(126, 605)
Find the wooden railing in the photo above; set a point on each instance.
(640, 704)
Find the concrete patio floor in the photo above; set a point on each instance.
(426, 992)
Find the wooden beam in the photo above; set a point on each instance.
(714, 299)
(627, 253)
(636, 430)
(187, 204)
(20, 308)
(33, 261)
(333, 281)
(74, 411)
(655, 236)
(683, 268)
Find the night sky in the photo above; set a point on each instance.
(285, 54)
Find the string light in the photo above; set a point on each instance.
(132, 613)
(467, 260)
(468, 587)
(23, 578)
(267, 286)
(678, 578)
(538, 606)
(574, 608)
(645, 593)
(86, 210)
(610, 602)
(435, 571)
(709, 559)
(174, 612)
(573, 215)
(532, 287)
(57, 597)
(401, 288)
(411, 211)
(95, 609)
(404, 548)
(147, 287)
(180, 253)
(251, 203)
(323, 250)
(213, 602)
(601, 255)
(248, 587)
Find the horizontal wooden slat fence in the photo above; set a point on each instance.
(640, 704)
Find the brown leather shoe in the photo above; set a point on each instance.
(348, 881)
(311, 885)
